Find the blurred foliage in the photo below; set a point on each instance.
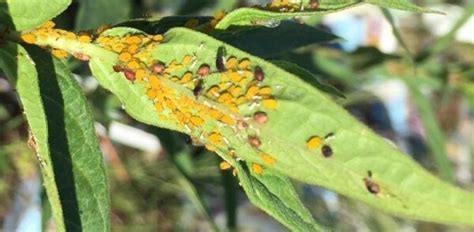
(182, 188)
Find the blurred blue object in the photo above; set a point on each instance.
(25, 213)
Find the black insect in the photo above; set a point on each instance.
(326, 150)
(198, 88)
(329, 135)
(220, 59)
(371, 185)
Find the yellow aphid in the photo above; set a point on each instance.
(48, 25)
(213, 92)
(257, 169)
(265, 91)
(158, 106)
(151, 94)
(251, 92)
(235, 91)
(215, 114)
(154, 81)
(314, 142)
(270, 103)
(125, 56)
(213, 22)
(133, 64)
(140, 74)
(61, 54)
(210, 147)
(227, 120)
(186, 77)
(268, 159)
(231, 63)
(186, 59)
(85, 39)
(244, 63)
(197, 121)
(235, 77)
(157, 38)
(132, 48)
(224, 165)
(244, 81)
(225, 97)
(219, 15)
(70, 35)
(215, 138)
(133, 40)
(241, 100)
(118, 47)
(223, 86)
(28, 38)
(233, 107)
(224, 77)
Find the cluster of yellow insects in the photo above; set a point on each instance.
(205, 103)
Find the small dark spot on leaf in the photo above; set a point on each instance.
(326, 150)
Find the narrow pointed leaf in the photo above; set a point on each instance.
(24, 15)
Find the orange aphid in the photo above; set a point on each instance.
(186, 77)
(118, 47)
(235, 90)
(186, 59)
(244, 63)
(268, 159)
(125, 56)
(314, 142)
(224, 165)
(215, 138)
(157, 38)
(28, 38)
(231, 63)
(154, 81)
(84, 39)
(265, 91)
(133, 64)
(213, 91)
(140, 74)
(219, 15)
(257, 168)
(270, 103)
(61, 54)
(251, 92)
(197, 121)
(225, 98)
(151, 94)
(133, 40)
(48, 25)
(227, 120)
(158, 106)
(132, 48)
(235, 77)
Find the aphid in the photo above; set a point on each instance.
(158, 68)
(313, 142)
(257, 168)
(129, 74)
(371, 185)
(203, 70)
(224, 165)
(326, 150)
(220, 59)
(198, 88)
(313, 4)
(241, 125)
(254, 141)
(260, 117)
(117, 68)
(258, 74)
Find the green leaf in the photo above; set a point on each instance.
(64, 137)
(265, 42)
(308, 77)
(102, 12)
(25, 15)
(270, 17)
(302, 112)
(274, 193)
